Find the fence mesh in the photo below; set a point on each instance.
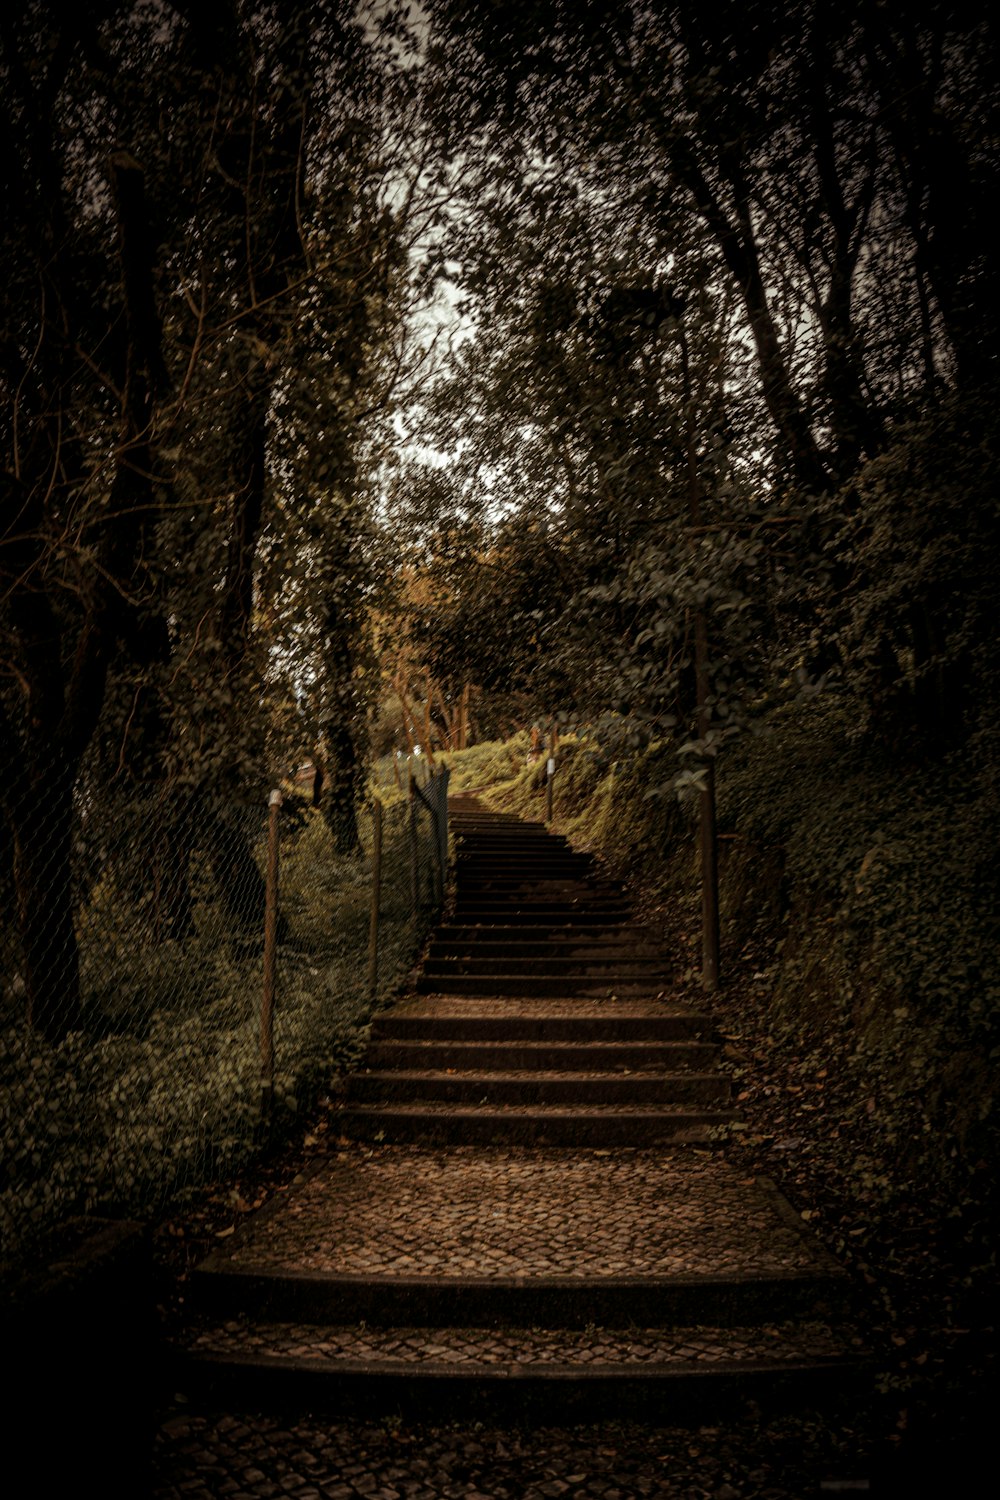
(130, 1013)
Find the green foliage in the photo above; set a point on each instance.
(874, 889)
(162, 1092)
(889, 959)
(487, 763)
(913, 554)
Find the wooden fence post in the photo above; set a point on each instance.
(270, 956)
(412, 823)
(376, 896)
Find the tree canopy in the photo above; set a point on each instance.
(634, 361)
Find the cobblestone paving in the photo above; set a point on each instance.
(485, 1212)
(535, 1346)
(259, 1458)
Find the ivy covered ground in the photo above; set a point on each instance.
(860, 1009)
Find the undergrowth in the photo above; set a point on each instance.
(162, 1092)
(865, 892)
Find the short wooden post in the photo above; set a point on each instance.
(439, 804)
(270, 956)
(376, 895)
(443, 824)
(414, 872)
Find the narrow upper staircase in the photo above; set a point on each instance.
(539, 1015)
(528, 1210)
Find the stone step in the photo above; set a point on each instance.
(566, 1302)
(517, 1236)
(625, 932)
(547, 877)
(531, 888)
(662, 1373)
(579, 984)
(504, 861)
(526, 834)
(581, 1030)
(530, 845)
(540, 1125)
(509, 857)
(538, 914)
(543, 958)
(537, 966)
(536, 1086)
(510, 843)
(573, 1056)
(565, 949)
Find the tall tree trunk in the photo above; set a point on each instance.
(739, 251)
(342, 775)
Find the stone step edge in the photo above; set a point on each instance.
(683, 1129)
(539, 1075)
(516, 1115)
(485, 1348)
(545, 987)
(509, 1032)
(686, 1300)
(682, 1396)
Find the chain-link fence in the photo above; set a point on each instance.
(134, 1039)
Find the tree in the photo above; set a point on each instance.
(154, 298)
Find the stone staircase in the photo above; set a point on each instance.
(539, 1016)
(528, 1210)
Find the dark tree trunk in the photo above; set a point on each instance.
(341, 777)
(739, 251)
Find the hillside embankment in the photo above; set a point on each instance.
(860, 1003)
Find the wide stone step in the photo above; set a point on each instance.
(600, 960)
(544, 954)
(581, 984)
(514, 1236)
(510, 855)
(535, 965)
(539, 913)
(535, 1086)
(666, 1373)
(534, 888)
(512, 837)
(513, 861)
(541, 1125)
(511, 844)
(624, 932)
(511, 848)
(548, 1055)
(679, 1034)
(548, 876)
